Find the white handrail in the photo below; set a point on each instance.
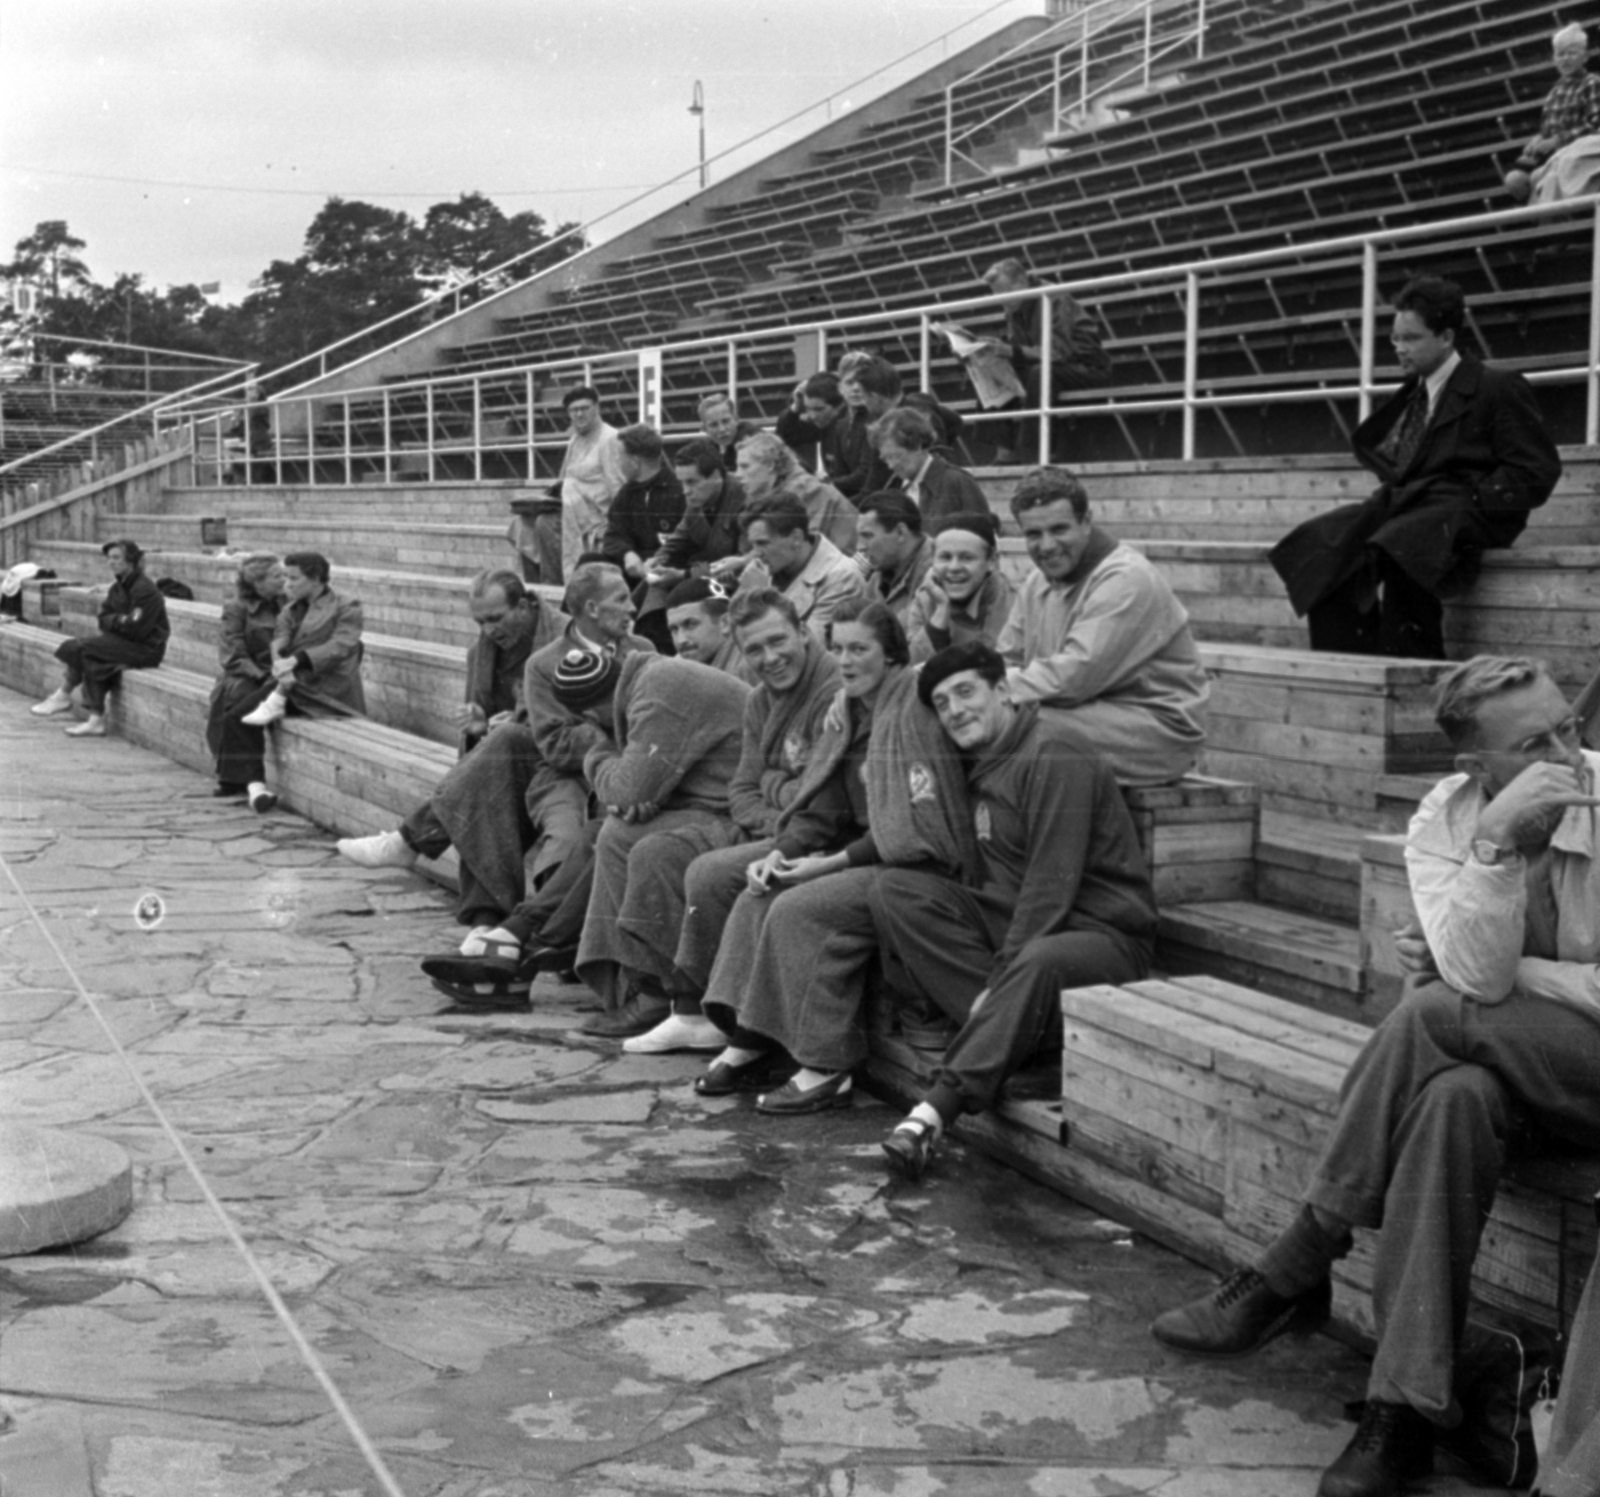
(1193, 278)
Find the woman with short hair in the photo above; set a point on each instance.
(133, 636)
(244, 650)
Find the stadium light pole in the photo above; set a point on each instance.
(698, 109)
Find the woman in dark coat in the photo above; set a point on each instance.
(133, 636)
(244, 650)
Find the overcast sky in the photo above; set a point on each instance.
(193, 140)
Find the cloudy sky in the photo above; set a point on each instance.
(193, 140)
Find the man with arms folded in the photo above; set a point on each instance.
(963, 596)
(1063, 897)
(1098, 640)
(796, 680)
(1501, 1025)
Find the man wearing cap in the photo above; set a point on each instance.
(964, 596)
(477, 808)
(796, 680)
(889, 537)
(697, 618)
(1064, 898)
(1098, 640)
(591, 473)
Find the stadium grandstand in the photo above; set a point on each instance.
(1233, 190)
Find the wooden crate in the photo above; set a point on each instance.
(1199, 837)
(1212, 1101)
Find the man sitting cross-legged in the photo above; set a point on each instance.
(1502, 1024)
(1063, 897)
(516, 808)
(631, 936)
(471, 808)
(1098, 640)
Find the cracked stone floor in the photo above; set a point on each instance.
(532, 1265)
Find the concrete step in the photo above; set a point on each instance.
(383, 504)
(411, 685)
(377, 542)
(351, 776)
(408, 605)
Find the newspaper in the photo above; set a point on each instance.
(994, 379)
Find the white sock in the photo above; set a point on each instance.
(924, 1112)
(499, 933)
(805, 1078)
(734, 1056)
(255, 788)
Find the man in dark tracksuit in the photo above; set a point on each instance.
(1065, 898)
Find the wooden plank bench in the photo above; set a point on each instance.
(1199, 1107)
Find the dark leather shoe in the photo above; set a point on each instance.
(726, 1081)
(1240, 1315)
(790, 1100)
(909, 1148)
(1391, 1448)
(637, 1016)
(557, 959)
(501, 997)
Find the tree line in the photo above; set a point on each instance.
(360, 263)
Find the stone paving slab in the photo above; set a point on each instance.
(534, 1265)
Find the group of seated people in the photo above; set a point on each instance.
(917, 764)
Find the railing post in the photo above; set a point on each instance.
(428, 433)
(1191, 360)
(1083, 67)
(1046, 340)
(1055, 91)
(1200, 31)
(733, 372)
(1149, 40)
(477, 428)
(949, 135)
(924, 353)
(1591, 421)
(1369, 325)
(530, 393)
(349, 461)
(388, 437)
(311, 441)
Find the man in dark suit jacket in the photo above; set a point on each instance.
(1462, 457)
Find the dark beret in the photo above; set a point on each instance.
(695, 590)
(972, 656)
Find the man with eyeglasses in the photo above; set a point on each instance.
(1500, 1023)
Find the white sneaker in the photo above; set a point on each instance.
(678, 1032)
(268, 712)
(472, 943)
(381, 850)
(57, 702)
(95, 727)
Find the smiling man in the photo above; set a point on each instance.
(1064, 898)
(1461, 455)
(1098, 640)
(630, 938)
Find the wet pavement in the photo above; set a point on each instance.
(532, 1265)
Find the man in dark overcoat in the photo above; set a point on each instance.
(1461, 455)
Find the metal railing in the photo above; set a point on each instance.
(1092, 22)
(506, 423)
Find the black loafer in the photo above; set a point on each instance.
(909, 1148)
(634, 1017)
(790, 1100)
(724, 1080)
(504, 996)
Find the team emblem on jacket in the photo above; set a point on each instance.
(921, 783)
(796, 751)
(982, 822)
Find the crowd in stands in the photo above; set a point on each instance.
(792, 727)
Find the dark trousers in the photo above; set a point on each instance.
(241, 749)
(96, 663)
(1417, 1149)
(554, 915)
(427, 835)
(939, 942)
(1021, 435)
(1381, 611)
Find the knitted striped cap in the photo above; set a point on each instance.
(585, 677)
